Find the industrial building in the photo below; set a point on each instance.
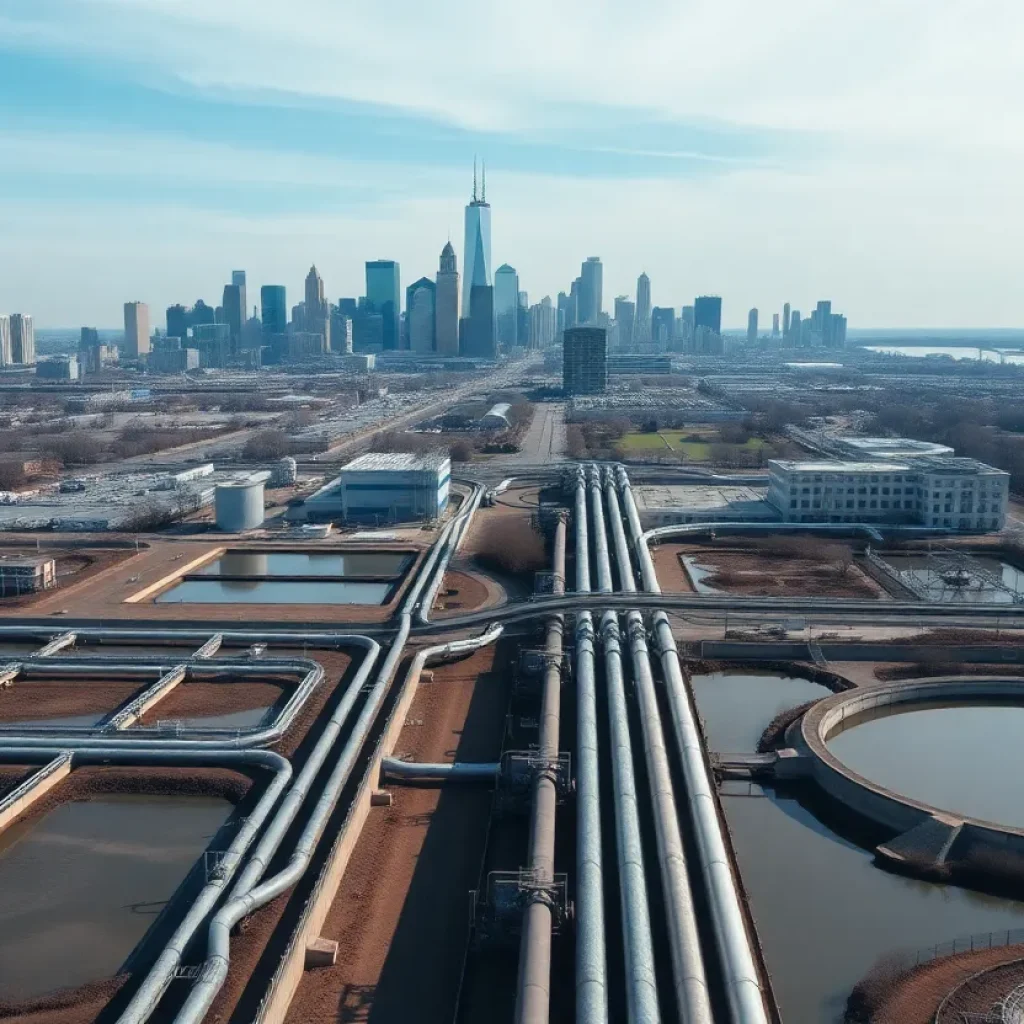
(939, 492)
(496, 418)
(26, 575)
(384, 488)
(585, 361)
(669, 504)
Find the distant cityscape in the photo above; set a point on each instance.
(482, 317)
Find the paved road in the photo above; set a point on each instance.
(544, 442)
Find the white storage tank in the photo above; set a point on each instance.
(238, 505)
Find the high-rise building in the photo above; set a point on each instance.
(477, 253)
(775, 325)
(88, 337)
(686, 325)
(625, 317)
(5, 340)
(478, 330)
(752, 326)
(838, 330)
(178, 317)
(584, 361)
(238, 280)
(785, 321)
(543, 323)
(273, 310)
(234, 314)
(23, 339)
(316, 311)
(506, 305)
(707, 312)
(202, 314)
(821, 322)
(446, 304)
(383, 296)
(136, 329)
(421, 315)
(590, 292)
(663, 325)
(795, 329)
(643, 308)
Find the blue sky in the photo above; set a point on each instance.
(809, 148)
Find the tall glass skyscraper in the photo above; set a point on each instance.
(506, 305)
(384, 297)
(591, 300)
(477, 253)
(274, 309)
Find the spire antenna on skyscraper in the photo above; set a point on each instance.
(474, 177)
(483, 183)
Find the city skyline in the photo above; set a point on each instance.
(145, 177)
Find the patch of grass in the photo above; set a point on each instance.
(682, 443)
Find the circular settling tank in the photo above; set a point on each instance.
(962, 758)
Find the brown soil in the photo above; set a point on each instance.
(760, 575)
(196, 698)
(74, 568)
(400, 913)
(916, 999)
(668, 567)
(918, 670)
(55, 698)
(470, 593)
(12, 775)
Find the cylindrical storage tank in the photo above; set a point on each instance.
(238, 505)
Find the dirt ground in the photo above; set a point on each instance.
(400, 915)
(12, 775)
(754, 574)
(196, 698)
(471, 592)
(74, 568)
(30, 699)
(916, 999)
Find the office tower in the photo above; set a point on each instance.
(23, 339)
(838, 330)
(383, 296)
(202, 314)
(543, 322)
(775, 325)
(643, 308)
(523, 322)
(5, 340)
(506, 305)
(574, 303)
(273, 310)
(584, 361)
(785, 321)
(478, 330)
(421, 315)
(238, 280)
(625, 317)
(88, 337)
(687, 324)
(316, 311)
(795, 328)
(233, 314)
(591, 284)
(298, 322)
(707, 312)
(752, 326)
(136, 329)
(477, 251)
(342, 332)
(348, 306)
(178, 317)
(663, 325)
(446, 303)
(821, 322)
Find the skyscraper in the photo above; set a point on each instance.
(23, 339)
(136, 329)
(238, 280)
(625, 317)
(686, 324)
(642, 330)
(421, 315)
(752, 326)
(663, 325)
(383, 295)
(775, 325)
(707, 312)
(178, 321)
(584, 361)
(785, 321)
(591, 286)
(234, 313)
(478, 330)
(795, 329)
(316, 311)
(5, 340)
(506, 305)
(273, 310)
(202, 314)
(446, 304)
(543, 319)
(477, 253)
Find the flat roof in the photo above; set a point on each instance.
(838, 466)
(396, 461)
(696, 497)
(880, 445)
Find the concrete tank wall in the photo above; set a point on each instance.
(239, 506)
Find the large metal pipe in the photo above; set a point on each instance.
(243, 903)
(600, 538)
(395, 768)
(641, 984)
(689, 977)
(591, 961)
(449, 546)
(148, 994)
(742, 981)
(533, 992)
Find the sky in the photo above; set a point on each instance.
(871, 152)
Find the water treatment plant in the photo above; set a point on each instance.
(527, 760)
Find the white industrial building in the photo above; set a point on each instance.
(384, 488)
(938, 492)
